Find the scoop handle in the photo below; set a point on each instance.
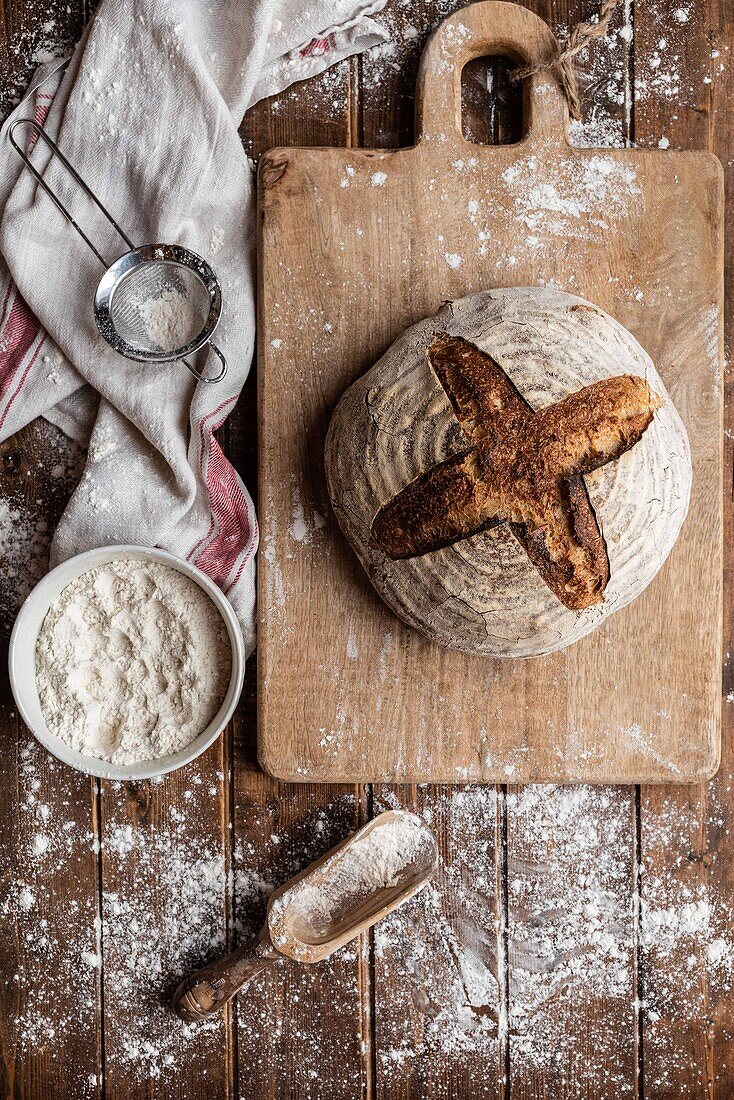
(207, 991)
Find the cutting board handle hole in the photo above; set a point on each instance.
(498, 36)
(491, 105)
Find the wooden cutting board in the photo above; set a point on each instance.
(355, 245)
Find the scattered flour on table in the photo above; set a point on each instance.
(132, 662)
(435, 959)
(24, 543)
(664, 68)
(455, 978)
(481, 978)
(27, 520)
(31, 42)
(323, 99)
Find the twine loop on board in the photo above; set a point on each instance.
(581, 36)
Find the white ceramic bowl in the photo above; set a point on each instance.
(22, 662)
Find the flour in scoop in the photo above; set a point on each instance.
(314, 907)
(133, 661)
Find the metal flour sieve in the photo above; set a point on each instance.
(156, 303)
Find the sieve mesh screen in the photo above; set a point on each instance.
(160, 306)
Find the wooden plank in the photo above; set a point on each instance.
(49, 993)
(163, 902)
(571, 954)
(440, 992)
(299, 1029)
(438, 965)
(49, 1029)
(720, 847)
(165, 863)
(571, 870)
(362, 240)
(684, 93)
(317, 111)
(388, 73)
(32, 32)
(491, 105)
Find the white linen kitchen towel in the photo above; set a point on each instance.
(148, 111)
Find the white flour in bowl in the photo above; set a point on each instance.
(133, 661)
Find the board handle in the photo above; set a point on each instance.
(489, 29)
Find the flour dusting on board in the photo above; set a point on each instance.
(599, 187)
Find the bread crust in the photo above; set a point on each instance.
(523, 467)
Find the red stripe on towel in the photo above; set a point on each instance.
(203, 455)
(317, 47)
(234, 517)
(21, 329)
(232, 512)
(16, 340)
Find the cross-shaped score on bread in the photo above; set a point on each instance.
(523, 467)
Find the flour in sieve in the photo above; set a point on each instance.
(132, 662)
(172, 319)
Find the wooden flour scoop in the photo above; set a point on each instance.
(327, 904)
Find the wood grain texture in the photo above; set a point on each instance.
(571, 942)
(686, 832)
(51, 1028)
(439, 964)
(165, 888)
(49, 994)
(32, 31)
(572, 985)
(297, 1027)
(686, 851)
(368, 242)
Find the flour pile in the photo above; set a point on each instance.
(317, 908)
(132, 662)
(170, 320)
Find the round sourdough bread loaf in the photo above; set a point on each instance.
(482, 595)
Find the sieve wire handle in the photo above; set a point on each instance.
(41, 133)
(214, 377)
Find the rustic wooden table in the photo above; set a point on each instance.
(579, 942)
